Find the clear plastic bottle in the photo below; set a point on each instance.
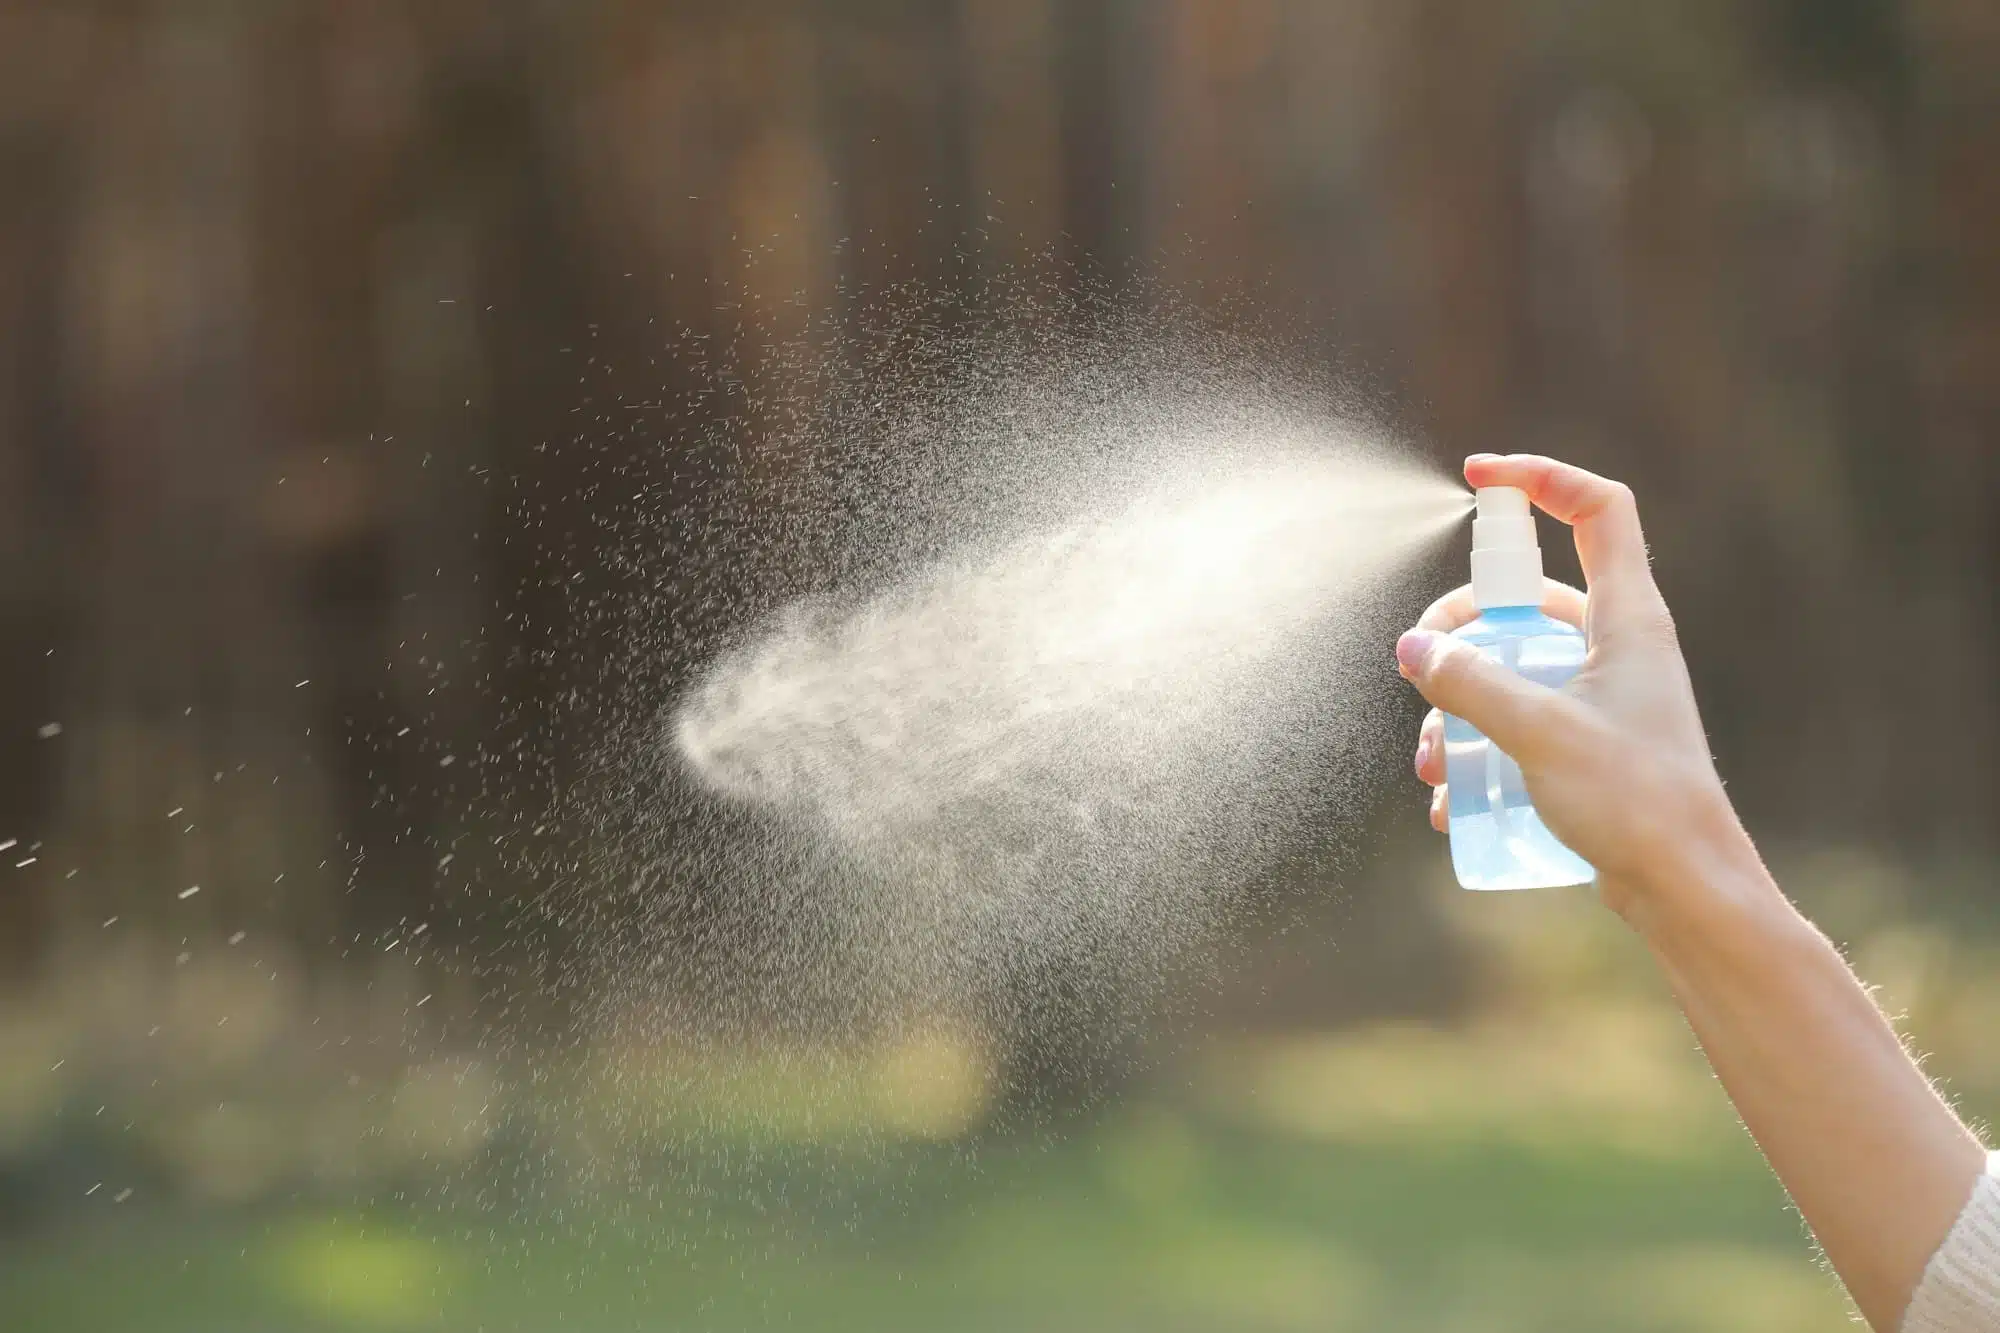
(1498, 840)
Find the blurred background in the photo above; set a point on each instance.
(293, 298)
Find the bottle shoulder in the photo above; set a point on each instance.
(1515, 622)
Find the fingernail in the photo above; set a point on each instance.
(1414, 648)
(1423, 754)
(1479, 458)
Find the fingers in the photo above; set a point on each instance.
(1527, 720)
(1430, 749)
(1602, 513)
(1455, 608)
(1430, 767)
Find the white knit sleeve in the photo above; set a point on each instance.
(1960, 1291)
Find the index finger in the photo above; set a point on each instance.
(1456, 607)
(1602, 513)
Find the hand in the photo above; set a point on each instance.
(1616, 762)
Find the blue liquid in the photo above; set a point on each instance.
(1498, 841)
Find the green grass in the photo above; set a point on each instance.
(1162, 1216)
(1559, 1161)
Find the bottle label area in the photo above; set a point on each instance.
(1498, 839)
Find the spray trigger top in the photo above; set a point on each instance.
(1506, 556)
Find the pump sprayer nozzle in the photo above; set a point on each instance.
(1506, 556)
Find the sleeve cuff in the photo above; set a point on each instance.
(1960, 1290)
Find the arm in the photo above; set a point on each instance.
(1619, 767)
(1874, 1159)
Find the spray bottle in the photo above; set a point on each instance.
(1498, 841)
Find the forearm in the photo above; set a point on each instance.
(1875, 1160)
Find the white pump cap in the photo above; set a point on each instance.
(1506, 556)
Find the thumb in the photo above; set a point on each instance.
(1523, 718)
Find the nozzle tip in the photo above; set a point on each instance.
(1502, 502)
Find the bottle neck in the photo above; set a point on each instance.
(1505, 614)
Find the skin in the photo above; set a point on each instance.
(1619, 767)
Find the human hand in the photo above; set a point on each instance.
(1617, 762)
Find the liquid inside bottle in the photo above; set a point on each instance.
(1498, 840)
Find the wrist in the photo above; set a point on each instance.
(1706, 882)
